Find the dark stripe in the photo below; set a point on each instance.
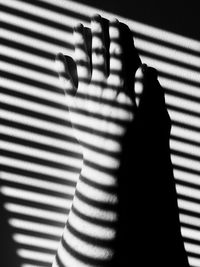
(59, 262)
(100, 168)
(29, 66)
(83, 258)
(31, 233)
(29, 81)
(168, 60)
(37, 175)
(37, 145)
(100, 222)
(36, 35)
(105, 188)
(38, 19)
(178, 78)
(165, 43)
(185, 155)
(101, 205)
(36, 205)
(34, 129)
(107, 244)
(36, 189)
(32, 218)
(181, 95)
(26, 48)
(185, 140)
(35, 114)
(40, 161)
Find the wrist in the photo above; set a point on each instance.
(102, 160)
(100, 167)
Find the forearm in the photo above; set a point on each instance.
(101, 112)
(90, 233)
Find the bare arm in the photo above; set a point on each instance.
(101, 112)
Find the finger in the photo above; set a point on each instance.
(65, 78)
(81, 53)
(98, 49)
(115, 51)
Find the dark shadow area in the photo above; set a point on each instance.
(7, 245)
(156, 13)
(150, 224)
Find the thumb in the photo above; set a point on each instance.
(65, 78)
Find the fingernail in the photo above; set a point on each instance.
(78, 27)
(144, 67)
(114, 21)
(59, 56)
(96, 17)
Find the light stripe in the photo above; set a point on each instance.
(35, 212)
(91, 229)
(98, 124)
(188, 192)
(101, 178)
(180, 87)
(94, 212)
(40, 154)
(168, 53)
(172, 69)
(181, 146)
(41, 12)
(190, 233)
(41, 124)
(192, 248)
(40, 139)
(64, 175)
(30, 90)
(194, 262)
(38, 183)
(187, 105)
(33, 106)
(96, 194)
(86, 249)
(33, 26)
(72, 261)
(189, 206)
(35, 241)
(35, 197)
(188, 134)
(36, 227)
(24, 56)
(35, 255)
(187, 119)
(94, 108)
(187, 177)
(186, 162)
(27, 73)
(190, 220)
(38, 44)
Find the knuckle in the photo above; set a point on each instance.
(115, 80)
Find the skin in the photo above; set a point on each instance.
(101, 112)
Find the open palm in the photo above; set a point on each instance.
(100, 109)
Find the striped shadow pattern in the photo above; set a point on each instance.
(40, 159)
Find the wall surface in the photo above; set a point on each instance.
(40, 160)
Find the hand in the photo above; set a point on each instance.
(100, 108)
